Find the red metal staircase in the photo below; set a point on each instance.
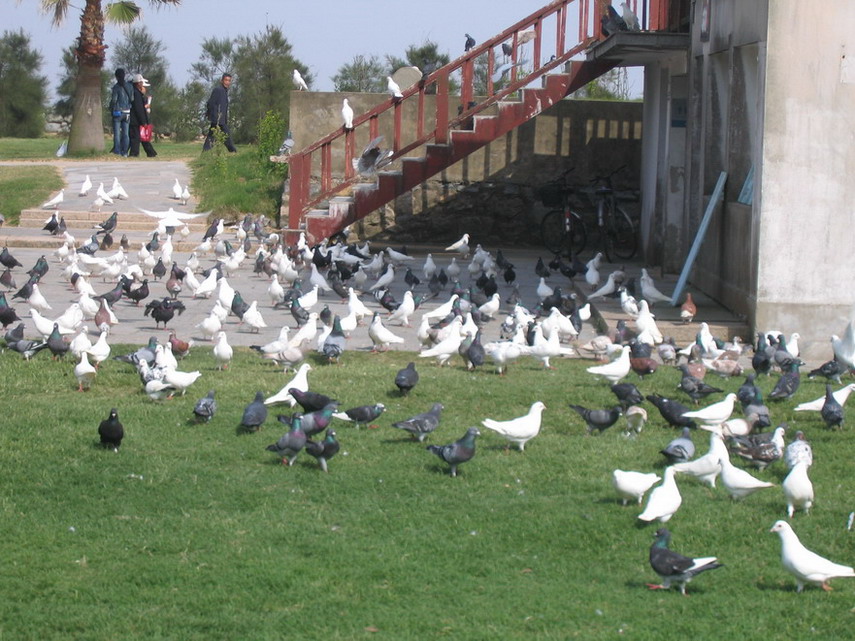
(440, 138)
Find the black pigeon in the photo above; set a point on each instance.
(509, 275)
(290, 443)
(423, 424)
(507, 50)
(673, 567)
(154, 244)
(26, 291)
(475, 353)
(611, 22)
(14, 335)
(56, 343)
(108, 225)
(832, 411)
(107, 241)
(695, 387)
(334, 343)
(540, 269)
(51, 224)
(38, 270)
(362, 415)
(458, 452)
(680, 449)
(672, 411)
(310, 401)
(789, 382)
(406, 378)
(831, 370)
(205, 408)
(386, 299)
(140, 293)
(761, 361)
(411, 279)
(7, 260)
(442, 277)
(7, 314)
(159, 269)
(60, 229)
(162, 311)
(627, 394)
(254, 414)
(747, 391)
(598, 420)
(490, 287)
(469, 43)
(239, 305)
(326, 316)
(111, 431)
(113, 296)
(312, 422)
(323, 451)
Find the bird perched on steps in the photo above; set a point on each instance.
(423, 424)
(324, 450)
(599, 420)
(688, 309)
(458, 452)
(111, 431)
(806, 566)
(519, 430)
(633, 485)
(674, 567)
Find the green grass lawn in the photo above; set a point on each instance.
(45, 149)
(23, 185)
(196, 532)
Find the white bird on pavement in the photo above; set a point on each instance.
(649, 291)
(300, 381)
(381, 336)
(798, 490)
(491, 307)
(664, 500)
(460, 247)
(316, 279)
(298, 81)
(103, 195)
(85, 187)
(386, 279)
(347, 114)
(355, 304)
(543, 290)
(55, 202)
(253, 318)
(404, 310)
(616, 370)
(806, 566)
(607, 289)
(117, 191)
(633, 485)
(592, 272)
(176, 190)
(210, 326)
(37, 300)
(429, 268)
(185, 196)
(223, 352)
(309, 299)
(519, 430)
(448, 346)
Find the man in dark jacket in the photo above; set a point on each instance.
(120, 108)
(139, 116)
(218, 113)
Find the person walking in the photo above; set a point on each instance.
(218, 114)
(120, 106)
(139, 116)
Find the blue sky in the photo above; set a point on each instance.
(324, 34)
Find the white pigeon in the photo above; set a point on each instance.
(85, 187)
(799, 451)
(664, 500)
(355, 304)
(737, 481)
(253, 318)
(844, 348)
(316, 279)
(616, 370)
(503, 352)
(306, 333)
(300, 381)
(347, 114)
(210, 326)
(117, 191)
(543, 290)
(649, 291)
(645, 323)
(55, 202)
(37, 300)
(404, 310)
(798, 490)
(185, 196)
(103, 195)
(628, 303)
(519, 430)
(592, 271)
(543, 348)
(398, 257)
(84, 372)
(393, 88)
(491, 307)
(386, 279)
(453, 270)
(815, 405)
(429, 268)
(222, 351)
(707, 467)
(607, 289)
(309, 299)
(100, 350)
(716, 414)
(447, 347)
(80, 343)
(180, 381)
(156, 389)
(226, 293)
(633, 485)
(298, 81)
(380, 335)
(629, 17)
(275, 290)
(460, 247)
(806, 566)
(176, 190)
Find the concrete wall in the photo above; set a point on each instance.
(490, 190)
(807, 215)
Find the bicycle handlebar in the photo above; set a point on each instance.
(607, 178)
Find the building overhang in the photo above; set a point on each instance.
(638, 48)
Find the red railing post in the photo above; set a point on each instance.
(397, 115)
(326, 167)
(441, 136)
(298, 193)
(349, 147)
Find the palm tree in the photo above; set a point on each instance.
(87, 128)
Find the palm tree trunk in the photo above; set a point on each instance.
(87, 125)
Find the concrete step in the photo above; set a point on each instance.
(76, 219)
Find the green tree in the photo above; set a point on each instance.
(216, 59)
(361, 75)
(262, 69)
(427, 58)
(612, 85)
(64, 105)
(22, 89)
(87, 128)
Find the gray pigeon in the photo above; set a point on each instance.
(334, 343)
(680, 449)
(406, 378)
(423, 424)
(832, 411)
(290, 444)
(362, 414)
(254, 414)
(324, 450)
(205, 408)
(458, 452)
(598, 420)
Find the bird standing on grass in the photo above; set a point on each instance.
(458, 452)
(806, 566)
(519, 430)
(205, 408)
(406, 379)
(674, 567)
(324, 450)
(111, 431)
(289, 444)
(423, 424)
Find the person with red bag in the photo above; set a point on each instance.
(140, 125)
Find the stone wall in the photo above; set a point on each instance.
(492, 190)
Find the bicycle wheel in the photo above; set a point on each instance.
(621, 240)
(578, 234)
(552, 231)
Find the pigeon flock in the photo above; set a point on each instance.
(447, 305)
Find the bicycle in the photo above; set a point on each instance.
(561, 229)
(617, 231)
